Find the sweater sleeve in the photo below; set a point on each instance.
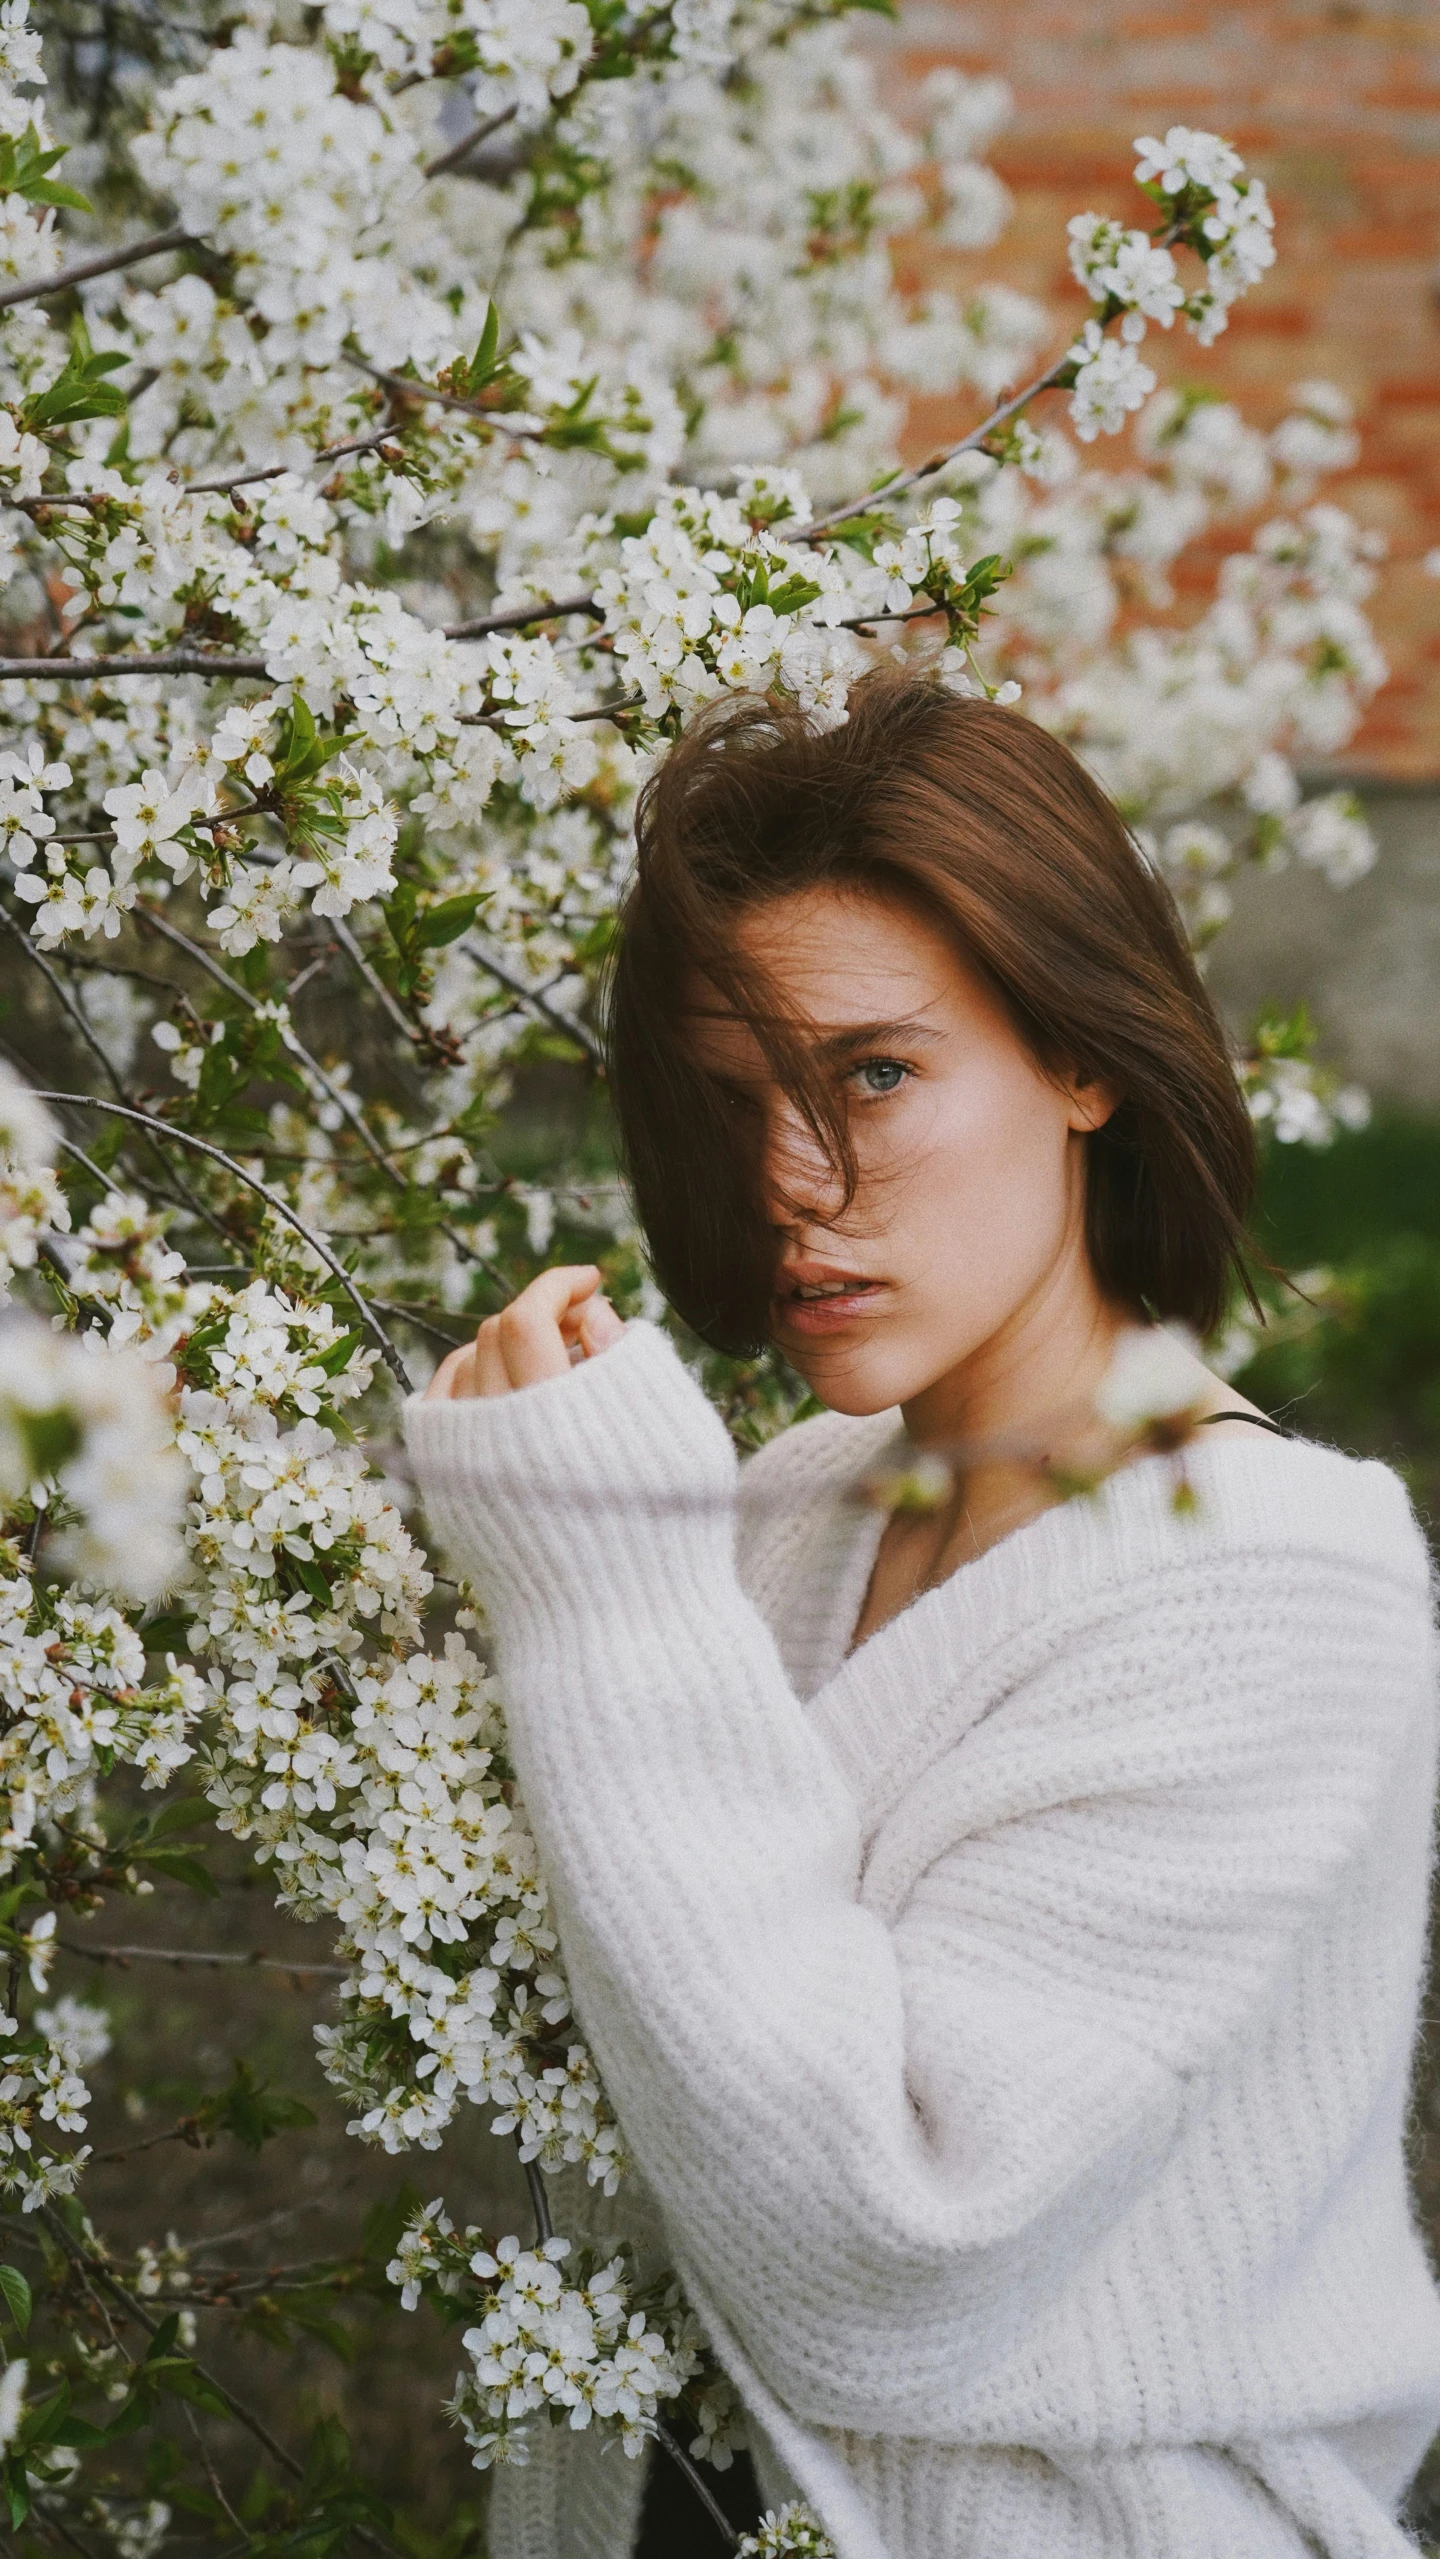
(915, 2120)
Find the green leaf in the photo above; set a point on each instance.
(81, 391)
(385, 2223)
(78, 2433)
(23, 166)
(1280, 1032)
(311, 1579)
(167, 1634)
(49, 1439)
(19, 2300)
(188, 1812)
(184, 2382)
(17, 2493)
(447, 921)
(177, 1868)
(340, 1353)
(280, 2322)
(250, 2111)
(303, 749)
(41, 2422)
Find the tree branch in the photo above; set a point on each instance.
(548, 609)
(254, 1960)
(502, 722)
(272, 1199)
(539, 2202)
(63, 997)
(104, 263)
(675, 2451)
(923, 470)
(534, 996)
(343, 1102)
(82, 2258)
(163, 662)
(277, 470)
(459, 151)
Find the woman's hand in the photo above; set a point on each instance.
(560, 1316)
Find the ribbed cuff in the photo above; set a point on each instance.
(595, 1472)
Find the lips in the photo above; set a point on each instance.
(813, 1298)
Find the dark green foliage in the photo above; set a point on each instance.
(1355, 1359)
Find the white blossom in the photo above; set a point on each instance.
(1156, 1375)
(1110, 382)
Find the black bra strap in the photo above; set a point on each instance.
(1259, 1419)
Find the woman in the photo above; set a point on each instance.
(999, 1925)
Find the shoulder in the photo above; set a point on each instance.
(1297, 1498)
(1266, 1550)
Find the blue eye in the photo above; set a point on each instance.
(880, 1075)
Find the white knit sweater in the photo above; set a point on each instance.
(1012, 2018)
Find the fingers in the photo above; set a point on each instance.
(492, 1377)
(532, 1331)
(535, 1337)
(454, 1376)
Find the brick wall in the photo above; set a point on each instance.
(1336, 103)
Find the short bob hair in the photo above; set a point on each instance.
(991, 827)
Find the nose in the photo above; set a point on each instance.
(799, 1184)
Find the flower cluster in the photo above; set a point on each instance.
(793, 2532)
(1213, 208)
(706, 600)
(32, 1203)
(42, 2094)
(572, 2344)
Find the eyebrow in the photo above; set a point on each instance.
(870, 1035)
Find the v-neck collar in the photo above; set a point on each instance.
(943, 1661)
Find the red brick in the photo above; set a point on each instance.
(1338, 107)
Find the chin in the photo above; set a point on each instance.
(856, 1382)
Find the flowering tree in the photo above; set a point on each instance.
(448, 398)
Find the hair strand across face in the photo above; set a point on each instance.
(991, 827)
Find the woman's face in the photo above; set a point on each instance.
(969, 1215)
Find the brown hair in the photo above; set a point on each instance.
(999, 833)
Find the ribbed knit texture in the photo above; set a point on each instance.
(1013, 2019)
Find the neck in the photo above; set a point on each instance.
(1026, 1392)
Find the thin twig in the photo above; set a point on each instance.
(82, 2257)
(136, 2149)
(180, 1196)
(535, 998)
(676, 2452)
(162, 662)
(32, 952)
(421, 1322)
(272, 1199)
(208, 2466)
(62, 996)
(103, 264)
(56, 2523)
(374, 981)
(277, 470)
(342, 1101)
(923, 470)
(507, 721)
(249, 2229)
(547, 609)
(461, 150)
(254, 1959)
